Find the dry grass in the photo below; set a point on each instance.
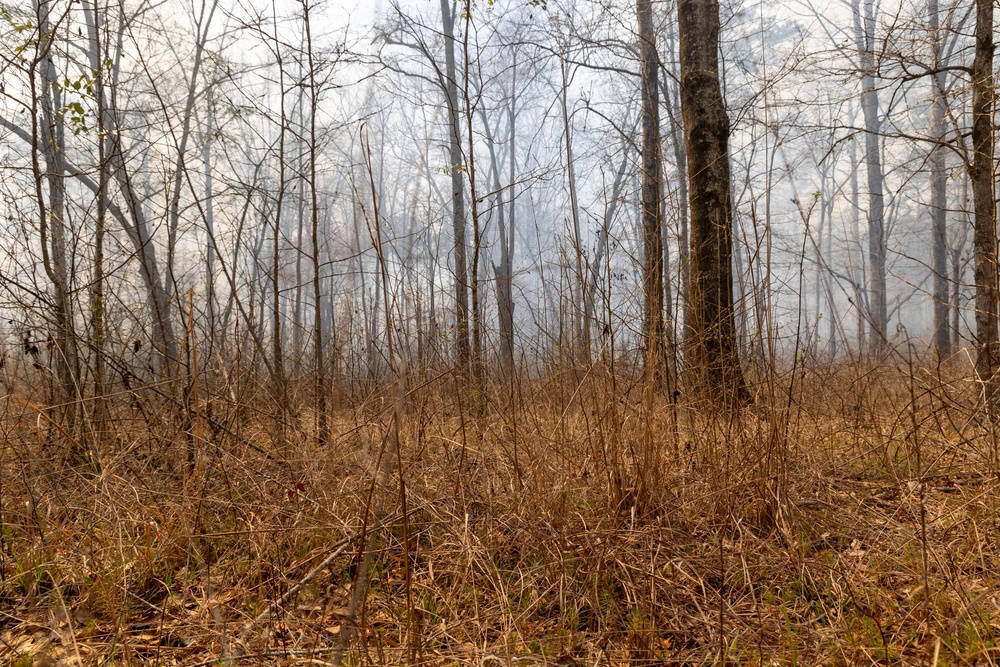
(573, 524)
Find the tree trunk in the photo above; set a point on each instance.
(97, 316)
(277, 344)
(602, 237)
(653, 326)
(859, 273)
(712, 356)
(48, 135)
(507, 239)
(319, 359)
(939, 200)
(478, 370)
(958, 268)
(502, 272)
(878, 312)
(984, 202)
(210, 249)
(457, 191)
(680, 158)
(136, 225)
(580, 325)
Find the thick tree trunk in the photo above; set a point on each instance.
(97, 315)
(653, 325)
(984, 201)
(711, 352)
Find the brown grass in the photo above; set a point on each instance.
(571, 524)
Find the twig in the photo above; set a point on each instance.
(274, 653)
(340, 547)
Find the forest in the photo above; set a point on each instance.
(499, 333)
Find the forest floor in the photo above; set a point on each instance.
(582, 522)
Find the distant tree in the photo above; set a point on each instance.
(313, 84)
(864, 35)
(48, 138)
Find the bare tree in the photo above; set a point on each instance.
(277, 344)
(133, 218)
(48, 137)
(580, 325)
(456, 169)
(939, 199)
(712, 358)
(653, 325)
(864, 35)
(319, 359)
(984, 202)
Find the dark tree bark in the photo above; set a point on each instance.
(712, 357)
(210, 249)
(97, 316)
(653, 326)
(984, 201)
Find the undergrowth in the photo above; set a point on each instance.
(572, 521)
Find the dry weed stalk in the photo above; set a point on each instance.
(881, 550)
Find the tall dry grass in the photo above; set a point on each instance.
(847, 517)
